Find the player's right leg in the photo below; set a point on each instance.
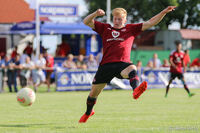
(167, 87)
(91, 100)
(130, 72)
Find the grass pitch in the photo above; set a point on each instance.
(115, 112)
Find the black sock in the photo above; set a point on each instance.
(167, 89)
(134, 79)
(186, 88)
(90, 103)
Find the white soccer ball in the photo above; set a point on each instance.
(26, 97)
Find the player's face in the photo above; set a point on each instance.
(179, 47)
(119, 21)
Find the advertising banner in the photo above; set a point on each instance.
(82, 80)
(75, 80)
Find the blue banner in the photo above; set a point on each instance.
(82, 80)
(75, 80)
(58, 10)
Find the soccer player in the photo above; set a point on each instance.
(117, 43)
(176, 60)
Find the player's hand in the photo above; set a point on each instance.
(169, 9)
(100, 12)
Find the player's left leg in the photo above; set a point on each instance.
(181, 77)
(91, 100)
(131, 73)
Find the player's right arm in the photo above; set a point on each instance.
(171, 62)
(89, 20)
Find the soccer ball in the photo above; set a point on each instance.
(26, 97)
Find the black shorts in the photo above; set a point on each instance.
(107, 72)
(178, 75)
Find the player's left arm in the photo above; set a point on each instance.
(156, 19)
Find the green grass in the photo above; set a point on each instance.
(116, 112)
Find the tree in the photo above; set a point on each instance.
(187, 12)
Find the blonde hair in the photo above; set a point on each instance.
(119, 11)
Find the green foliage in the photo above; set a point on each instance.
(187, 12)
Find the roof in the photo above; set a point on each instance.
(52, 28)
(13, 11)
(190, 34)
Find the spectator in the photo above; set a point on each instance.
(2, 65)
(156, 62)
(139, 64)
(149, 65)
(34, 56)
(23, 57)
(29, 49)
(12, 66)
(14, 53)
(91, 63)
(69, 63)
(186, 58)
(63, 49)
(38, 73)
(165, 63)
(49, 68)
(195, 63)
(26, 71)
(80, 63)
(99, 56)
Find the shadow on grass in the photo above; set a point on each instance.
(22, 125)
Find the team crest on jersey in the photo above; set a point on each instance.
(115, 34)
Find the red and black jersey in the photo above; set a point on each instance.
(177, 59)
(117, 43)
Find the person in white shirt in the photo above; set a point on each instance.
(26, 69)
(38, 74)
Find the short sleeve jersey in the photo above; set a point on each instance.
(177, 58)
(117, 43)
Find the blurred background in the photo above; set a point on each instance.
(56, 27)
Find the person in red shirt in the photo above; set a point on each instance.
(49, 67)
(29, 49)
(195, 63)
(63, 49)
(117, 43)
(186, 58)
(176, 60)
(14, 53)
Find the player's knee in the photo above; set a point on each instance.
(132, 74)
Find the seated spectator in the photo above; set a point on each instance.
(69, 63)
(99, 56)
(165, 63)
(29, 49)
(63, 49)
(149, 65)
(80, 63)
(195, 63)
(139, 64)
(92, 63)
(186, 58)
(14, 53)
(156, 62)
(59, 52)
